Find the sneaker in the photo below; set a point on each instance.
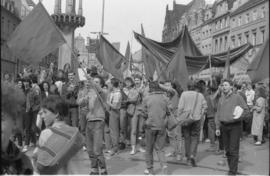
(258, 143)
(133, 152)
(221, 163)
(25, 148)
(169, 154)
(142, 150)
(148, 172)
(207, 140)
(219, 152)
(84, 148)
(211, 149)
(165, 170)
(111, 152)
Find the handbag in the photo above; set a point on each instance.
(186, 118)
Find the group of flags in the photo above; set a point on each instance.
(37, 36)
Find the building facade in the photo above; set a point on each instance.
(219, 26)
(11, 16)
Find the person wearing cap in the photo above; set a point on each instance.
(230, 123)
(70, 94)
(155, 109)
(13, 161)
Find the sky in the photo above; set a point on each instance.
(121, 18)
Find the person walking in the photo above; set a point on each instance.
(193, 102)
(258, 115)
(155, 109)
(228, 119)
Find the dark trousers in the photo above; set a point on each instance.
(123, 125)
(83, 121)
(30, 127)
(73, 117)
(191, 135)
(94, 144)
(231, 134)
(156, 139)
(220, 141)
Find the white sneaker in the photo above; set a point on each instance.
(169, 154)
(148, 172)
(258, 143)
(207, 140)
(132, 152)
(25, 148)
(84, 148)
(142, 150)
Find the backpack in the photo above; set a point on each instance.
(60, 147)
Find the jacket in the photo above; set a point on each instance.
(70, 96)
(156, 107)
(226, 106)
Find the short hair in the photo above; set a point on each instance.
(115, 82)
(102, 82)
(12, 99)
(42, 84)
(137, 76)
(130, 80)
(57, 105)
(33, 78)
(228, 81)
(261, 92)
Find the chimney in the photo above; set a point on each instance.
(80, 11)
(70, 6)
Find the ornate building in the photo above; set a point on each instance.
(218, 26)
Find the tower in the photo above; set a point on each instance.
(67, 22)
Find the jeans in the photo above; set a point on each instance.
(114, 123)
(191, 135)
(94, 144)
(176, 140)
(231, 139)
(73, 115)
(107, 137)
(123, 125)
(30, 127)
(134, 127)
(83, 121)
(211, 130)
(156, 139)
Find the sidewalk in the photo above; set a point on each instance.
(255, 161)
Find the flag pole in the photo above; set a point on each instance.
(210, 67)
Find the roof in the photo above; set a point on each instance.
(175, 14)
(247, 5)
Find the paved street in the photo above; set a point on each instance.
(255, 161)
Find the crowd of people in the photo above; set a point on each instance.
(113, 115)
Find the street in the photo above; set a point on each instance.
(255, 160)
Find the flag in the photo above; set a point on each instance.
(36, 36)
(110, 58)
(177, 68)
(131, 63)
(258, 69)
(148, 60)
(226, 73)
(127, 56)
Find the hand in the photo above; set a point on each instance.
(218, 132)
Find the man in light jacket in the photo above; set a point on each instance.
(193, 102)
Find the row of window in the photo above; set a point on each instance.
(251, 37)
(221, 45)
(248, 17)
(7, 27)
(222, 23)
(206, 33)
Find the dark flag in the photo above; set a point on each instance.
(226, 73)
(110, 58)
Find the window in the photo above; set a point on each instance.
(233, 22)
(225, 43)
(221, 23)
(247, 37)
(227, 22)
(239, 39)
(263, 34)
(254, 14)
(247, 18)
(220, 44)
(239, 21)
(216, 45)
(233, 41)
(263, 12)
(254, 40)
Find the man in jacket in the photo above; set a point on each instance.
(155, 107)
(193, 103)
(230, 124)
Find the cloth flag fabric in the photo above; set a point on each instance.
(259, 67)
(177, 68)
(110, 58)
(36, 36)
(148, 60)
(226, 73)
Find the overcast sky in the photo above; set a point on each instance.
(121, 18)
